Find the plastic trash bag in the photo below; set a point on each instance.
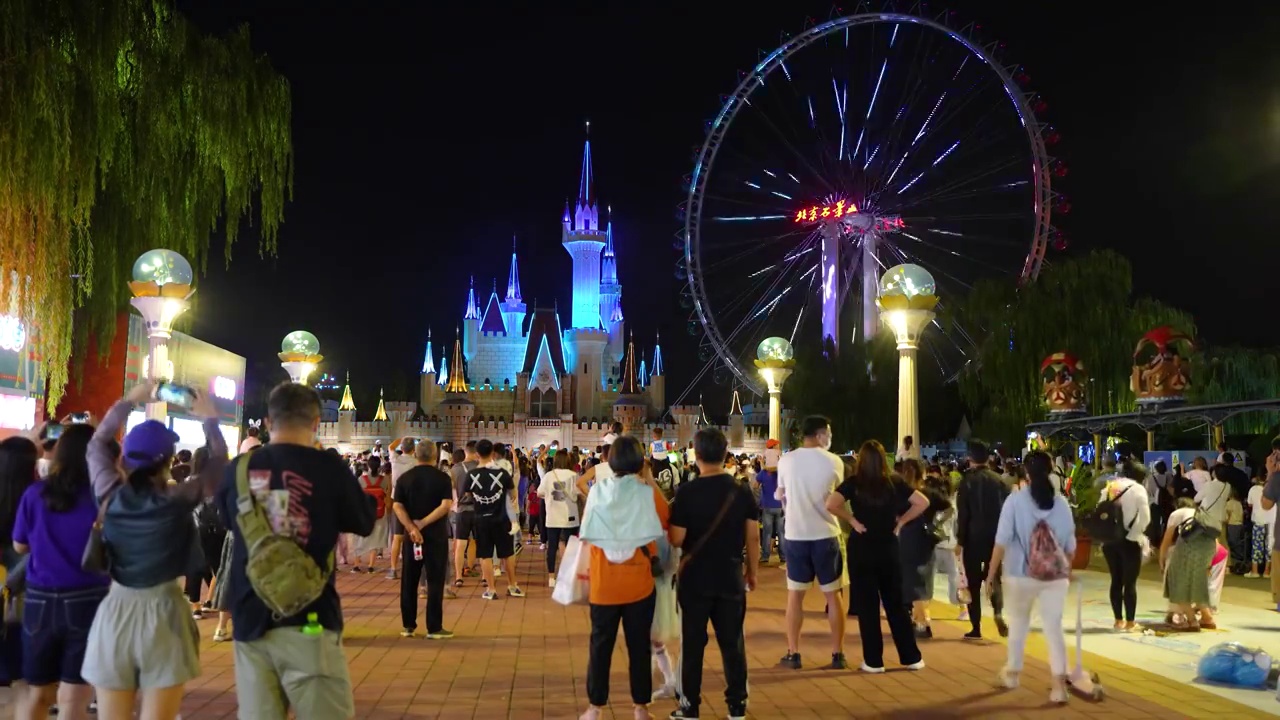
(1234, 664)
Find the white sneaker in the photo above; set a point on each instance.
(1252, 575)
(551, 582)
(873, 670)
(916, 666)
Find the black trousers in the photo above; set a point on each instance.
(553, 537)
(726, 615)
(434, 563)
(976, 564)
(877, 579)
(1124, 560)
(211, 548)
(636, 619)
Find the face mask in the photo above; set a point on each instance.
(826, 444)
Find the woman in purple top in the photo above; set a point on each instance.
(53, 522)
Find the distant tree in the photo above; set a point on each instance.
(1084, 306)
(122, 128)
(857, 390)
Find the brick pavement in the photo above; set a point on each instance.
(526, 660)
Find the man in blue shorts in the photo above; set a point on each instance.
(806, 476)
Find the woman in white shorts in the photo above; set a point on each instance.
(143, 640)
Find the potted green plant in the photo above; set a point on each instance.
(1083, 498)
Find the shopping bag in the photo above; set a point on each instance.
(666, 612)
(573, 580)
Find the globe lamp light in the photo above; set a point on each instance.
(162, 267)
(775, 349)
(909, 281)
(300, 342)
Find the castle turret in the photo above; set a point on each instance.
(584, 239)
(381, 414)
(346, 413)
(630, 409)
(470, 324)
(657, 381)
(428, 390)
(611, 295)
(513, 307)
(457, 408)
(687, 423)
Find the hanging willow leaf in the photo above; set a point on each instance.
(122, 128)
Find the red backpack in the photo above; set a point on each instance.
(376, 492)
(1045, 558)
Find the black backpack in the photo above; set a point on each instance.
(208, 519)
(488, 490)
(1105, 523)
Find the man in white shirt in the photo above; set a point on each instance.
(1124, 557)
(806, 477)
(402, 459)
(1264, 521)
(1212, 498)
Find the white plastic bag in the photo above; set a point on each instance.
(666, 613)
(573, 581)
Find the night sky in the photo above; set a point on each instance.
(424, 139)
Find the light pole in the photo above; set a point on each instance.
(161, 286)
(775, 359)
(299, 355)
(907, 298)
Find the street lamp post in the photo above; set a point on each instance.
(161, 286)
(907, 298)
(775, 359)
(299, 355)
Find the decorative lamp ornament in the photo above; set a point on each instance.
(1162, 367)
(300, 342)
(774, 351)
(907, 287)
(1064, 381)
(299, 354)
(161, 273)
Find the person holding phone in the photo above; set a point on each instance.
(132, 648)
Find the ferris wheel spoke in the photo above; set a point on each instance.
(953, 253)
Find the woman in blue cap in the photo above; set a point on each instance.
(143, 639)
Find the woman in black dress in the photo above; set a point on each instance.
(880, 504)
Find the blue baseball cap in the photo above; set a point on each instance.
(148, 444)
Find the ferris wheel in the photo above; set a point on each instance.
(865, 142)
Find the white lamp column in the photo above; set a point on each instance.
(775, 360)
(161, 287)
(906, 303)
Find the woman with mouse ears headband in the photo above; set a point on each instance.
(143, 640)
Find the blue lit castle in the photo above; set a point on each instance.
(521, 362)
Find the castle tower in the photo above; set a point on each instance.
(687, 423)
(429, 390)
(381, 414)
(457, 408)
(611, 295)
(657, 381)
(513, 307)
(586, 347)
(737, 424)
(346, 413)
(630, 408)
(470, 324)
(584, 239)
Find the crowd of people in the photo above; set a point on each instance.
(671, 541)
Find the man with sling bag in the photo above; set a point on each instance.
(713, 519)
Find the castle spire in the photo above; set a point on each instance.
(473, 311)
(630, 386)
(513, 280)
(429, 361)
(657, 355)
(458, 380)
(586, 193)
(347, 403)
(381, 415)
(444, 373)
(735, 408)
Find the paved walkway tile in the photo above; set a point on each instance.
(526, 660)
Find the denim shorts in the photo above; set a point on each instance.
(55, 632)
(820, 560)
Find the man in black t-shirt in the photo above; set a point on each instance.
(979, 500)
(310, 496)
(493, 492)
(423, 498)
(713, 518)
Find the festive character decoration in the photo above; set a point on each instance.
(1161, 366)
(1064, 382)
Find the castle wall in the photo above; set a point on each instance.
(498, 358)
